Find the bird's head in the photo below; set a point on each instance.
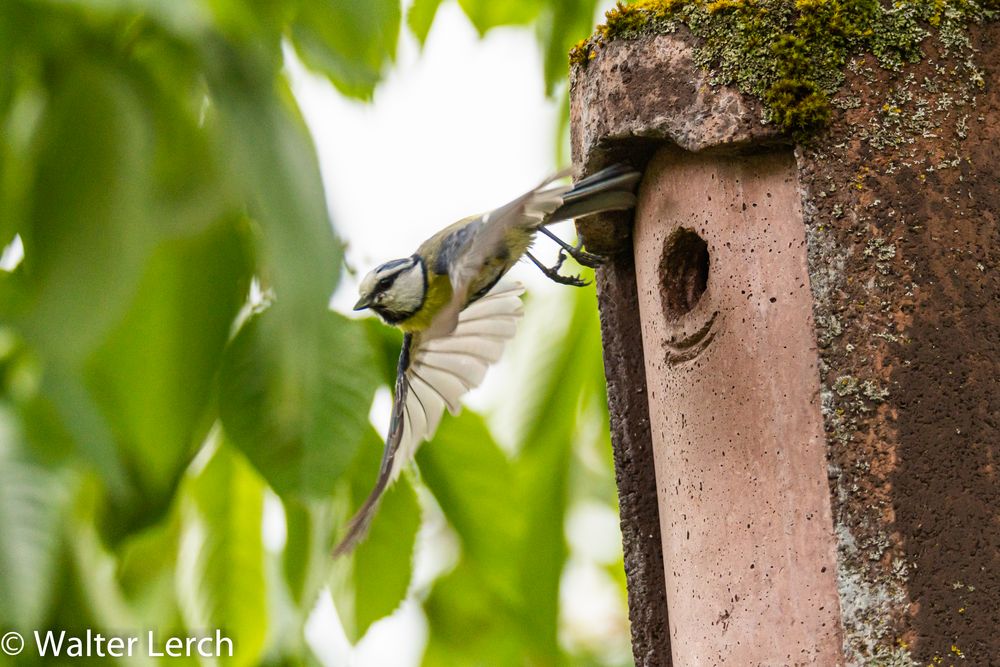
(395, 290)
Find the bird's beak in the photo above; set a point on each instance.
(362, 303)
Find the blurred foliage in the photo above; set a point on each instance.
(169, 367)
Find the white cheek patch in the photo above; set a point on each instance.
(407, 292)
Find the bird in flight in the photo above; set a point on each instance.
(455, 312)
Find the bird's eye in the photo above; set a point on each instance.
(383, 283)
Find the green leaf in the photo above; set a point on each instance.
(33, 500)
(373, 581)
(124, 179)
(420, 17)
(470, 629)
(220, 574)
(562, 372)
(252, 22)
(309, 529)
(191, 20)
(510, 513)
(271, 158)
(145, 570)
(65, 411)
(475, 484)
(486, 14)
(273, 161)
(479, 614)
(91, 595)
(386, 342)
(89, 230)
(187, 17)
(300, 437)
(349, 42)
(21, 104)
(153, 374)
(562, 24)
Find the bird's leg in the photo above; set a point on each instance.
(583, 257)
(553, 272)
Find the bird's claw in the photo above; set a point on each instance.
(552, 273)
(582, 257)
(588, 259)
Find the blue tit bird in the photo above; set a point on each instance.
(455, 313)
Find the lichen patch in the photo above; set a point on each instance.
(792, 54)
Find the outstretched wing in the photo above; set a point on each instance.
(528, 211)
(433, 374)
(443, 369)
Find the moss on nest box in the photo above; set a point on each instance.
(791, 54)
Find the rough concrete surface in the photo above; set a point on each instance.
(901, 212)
(633, 453)
(623, 102)
(902, 198)
(624, 94)
(734, 409)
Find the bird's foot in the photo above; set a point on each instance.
(582, 257)
(588, 259)
(552, 273)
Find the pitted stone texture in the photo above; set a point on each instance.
(633, 454)
(734, 411)
(901, 205)
(903, 220)
(650, 89)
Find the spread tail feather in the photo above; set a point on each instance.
(357, 528)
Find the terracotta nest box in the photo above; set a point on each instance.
(802, 348)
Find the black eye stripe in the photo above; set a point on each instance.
(400, 266)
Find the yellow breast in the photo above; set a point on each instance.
(438, 294)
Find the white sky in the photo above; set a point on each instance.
(456, 129)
